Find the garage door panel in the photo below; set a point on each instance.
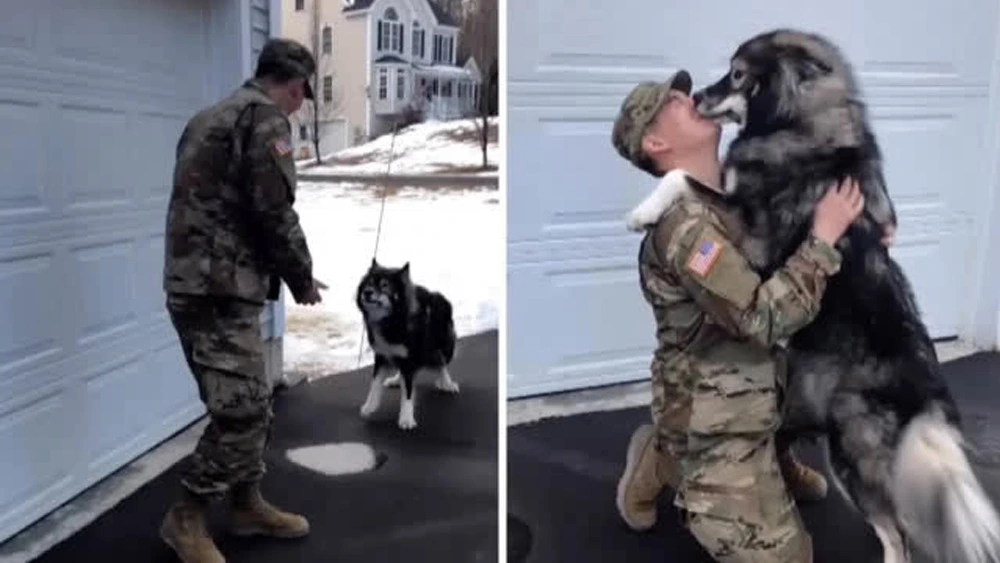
(20, 149)
(103, 280)
(584, 193)
(41, 462)
(28, 292)
(93, 142)
(577, 293)
(153, 142)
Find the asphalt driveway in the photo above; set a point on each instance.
(432, 496)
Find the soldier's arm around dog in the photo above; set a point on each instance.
(697, 248)
(271, 183)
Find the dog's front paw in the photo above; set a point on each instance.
(446, 384)
(392, 381)
(640, 217)
(407, 421)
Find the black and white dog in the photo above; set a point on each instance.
(410, 329)
(864, 374)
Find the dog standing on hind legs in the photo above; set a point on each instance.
(410, 329)
(864, 374)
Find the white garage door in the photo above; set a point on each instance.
(575, 314)
(93, 96)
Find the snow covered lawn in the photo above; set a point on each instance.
(450, 236)
(425, 148)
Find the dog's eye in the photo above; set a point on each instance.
(737, 75)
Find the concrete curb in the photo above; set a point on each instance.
(423, 180)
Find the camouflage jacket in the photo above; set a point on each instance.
(717, 322)
(231, 229)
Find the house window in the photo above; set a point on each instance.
(400, 83)
(446, 89)
(328, 88)
(300, 5)
(418, 40)
(327, 40)
(444, 48)
(390, 32)
(303, 133)
(383, 84)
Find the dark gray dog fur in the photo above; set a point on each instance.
(864, 374)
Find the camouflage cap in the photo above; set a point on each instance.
(285, 56)
(639, 109)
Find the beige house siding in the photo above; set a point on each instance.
(351, 70)
(340, 63)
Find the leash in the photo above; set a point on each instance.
(378, 229)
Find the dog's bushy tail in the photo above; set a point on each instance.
(938, 498)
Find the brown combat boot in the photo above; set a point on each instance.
(804, 482)
(647, 472)
(184, 530)
(252, 515)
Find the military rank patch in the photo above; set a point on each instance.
(702, 260)
(282, 147)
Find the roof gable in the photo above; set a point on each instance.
(443, 17)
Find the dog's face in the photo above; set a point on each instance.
(776, 79)
(383, 291)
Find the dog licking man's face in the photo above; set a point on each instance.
(679, 129)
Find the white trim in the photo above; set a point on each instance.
(274, 6)
(982, 316)
(369, 76)
(246, 39)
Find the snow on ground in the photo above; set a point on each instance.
(429, 147)
(450, 236)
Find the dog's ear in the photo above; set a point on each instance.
(786, 86)
(374, 264)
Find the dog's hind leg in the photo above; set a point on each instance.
(380, 371)
(407, 394)
(444, 381)
(894, 549)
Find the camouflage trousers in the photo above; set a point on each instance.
(221, 340)
(733, 498)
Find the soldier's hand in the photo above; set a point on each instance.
(312, 295)
(837, 210)
(890, 236)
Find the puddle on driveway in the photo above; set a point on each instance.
(340, 458)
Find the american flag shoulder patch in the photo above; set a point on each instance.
(702, 260)
(282, 147)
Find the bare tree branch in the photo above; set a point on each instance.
(480, 33)
(320, 110)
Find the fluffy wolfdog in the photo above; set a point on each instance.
(864, 373)
(410, 329)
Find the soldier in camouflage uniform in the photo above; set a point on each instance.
(717, 369)
(232, 236)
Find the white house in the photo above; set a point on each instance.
(91, 374)
(575, 315)
(379, 60)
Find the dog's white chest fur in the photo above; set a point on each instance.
(647, 213)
